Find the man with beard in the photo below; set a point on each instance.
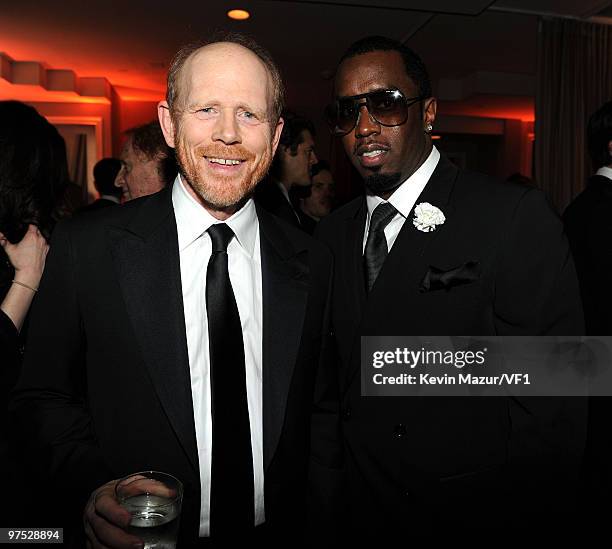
(219, 321)
(435, 250)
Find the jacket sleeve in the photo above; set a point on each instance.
(536, 287)
(537, 293)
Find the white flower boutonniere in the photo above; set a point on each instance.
(427, 217)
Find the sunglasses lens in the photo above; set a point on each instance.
(346, 114)
(388, 107)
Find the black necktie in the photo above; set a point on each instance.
(231, 497)
(376, 244)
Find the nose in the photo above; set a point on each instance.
(313, 158)
(226, 128)
(328, 192)
(366, 125)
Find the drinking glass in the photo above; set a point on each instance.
(154, 500)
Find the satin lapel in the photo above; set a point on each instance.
(285, 278)
(146, 260)
(411, 244)
(407, 257)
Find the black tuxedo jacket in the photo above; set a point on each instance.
(307, 223)
(97, 204)
(93, 411)
(271, 198)
(588, 222)
(415, 463)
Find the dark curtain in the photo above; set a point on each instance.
(574, 78)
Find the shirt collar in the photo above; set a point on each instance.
(193, 220)
(404, 197)
(605, 171)
(110, 198)
(283, 190)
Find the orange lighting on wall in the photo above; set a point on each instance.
(491, 106)
(436, 137)
(238, 15)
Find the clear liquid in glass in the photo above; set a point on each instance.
(155, 520)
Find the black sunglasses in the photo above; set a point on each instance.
(387, 107)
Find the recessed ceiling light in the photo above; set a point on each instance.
(238, 15)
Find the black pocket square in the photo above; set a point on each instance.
(437, 279)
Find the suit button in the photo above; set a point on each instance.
(399, 431)
(346, 414)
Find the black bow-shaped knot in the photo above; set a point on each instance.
(437, 279)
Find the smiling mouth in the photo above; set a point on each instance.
(224, 161)
(370, 154)
(373, 158)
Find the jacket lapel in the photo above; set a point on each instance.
(146, 258)
(407, 260)
(285, 279)
(408, 252)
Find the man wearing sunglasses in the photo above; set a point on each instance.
(431, 249)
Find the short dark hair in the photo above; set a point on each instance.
(149, 140)
(292, 135)
(320, 166)
(599, 135)
(33, 171)
(415, 68)
(105, 172)
(172, 92)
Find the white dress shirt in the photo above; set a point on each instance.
(605, 171)
(244, 262)
(403, 198)
(110, 197)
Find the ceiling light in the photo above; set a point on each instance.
(238, 15)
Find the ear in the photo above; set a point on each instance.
(430, 108)
(610, 149)
(277, 134)
(166, 122)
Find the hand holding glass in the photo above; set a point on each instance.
(154, 500)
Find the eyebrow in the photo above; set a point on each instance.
(216, 103)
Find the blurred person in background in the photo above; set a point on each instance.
(319, 200)
(105, 172)
(291, 167)
(147, 163)
(33, 179)
(588, 223)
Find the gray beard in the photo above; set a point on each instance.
(378, 183)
